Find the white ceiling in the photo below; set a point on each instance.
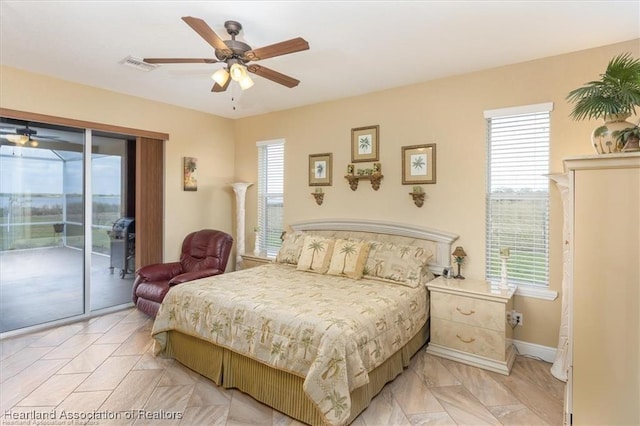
(356, 47)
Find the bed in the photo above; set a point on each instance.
(320, 331)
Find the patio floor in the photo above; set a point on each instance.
(42, 285)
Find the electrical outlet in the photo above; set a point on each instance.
(514, 318)
(517, 318)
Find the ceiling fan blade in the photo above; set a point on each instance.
(272, 75)
(282, 48)
(217, 88)
(207, 33)
(180, 60)
(36, 137)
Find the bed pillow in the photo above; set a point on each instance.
(397, 263)
(316, 254)
(291, 248)
(349, 258)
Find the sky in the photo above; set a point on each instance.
(25, 170)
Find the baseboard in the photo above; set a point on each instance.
(546, 353)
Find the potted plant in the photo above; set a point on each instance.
(613, 98)
(629, 138)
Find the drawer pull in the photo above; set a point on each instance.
(471, 340)
(471, 312)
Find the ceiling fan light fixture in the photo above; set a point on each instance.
(221, 76)
(246, 83)
(238, 72)
(21, 139)
(235, 55)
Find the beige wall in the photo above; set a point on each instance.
(448, 112)
(192, 134)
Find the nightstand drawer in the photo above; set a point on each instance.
(465, 310)
(466, 338)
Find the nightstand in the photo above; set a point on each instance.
(469, 323)
(252, 260)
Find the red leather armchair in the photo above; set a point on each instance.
(204, 253)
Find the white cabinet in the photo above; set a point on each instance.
(469, 323)
(604, 297)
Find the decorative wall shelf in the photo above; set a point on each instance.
(374, 178)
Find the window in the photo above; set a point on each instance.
(518, 193)
(270, 195)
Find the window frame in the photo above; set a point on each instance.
(269, 236)
(527, 288)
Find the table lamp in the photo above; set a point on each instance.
(459, 255)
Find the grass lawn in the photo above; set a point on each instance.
(39, 232)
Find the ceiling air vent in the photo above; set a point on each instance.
(138, 64)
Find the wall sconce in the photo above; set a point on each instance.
(458, 257)
(418, 196)
(318, 195)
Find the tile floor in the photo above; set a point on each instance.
(104, 365)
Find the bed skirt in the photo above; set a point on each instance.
(278, 389)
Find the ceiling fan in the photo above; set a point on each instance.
(236, 55)
(22, 136)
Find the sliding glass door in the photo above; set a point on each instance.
(112, 223)
(41, 237)
(58, 208)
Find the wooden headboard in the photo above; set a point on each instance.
(438, 242)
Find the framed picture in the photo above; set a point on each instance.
(320, 169)
(365, 144)
(190, 174)
(419, 164)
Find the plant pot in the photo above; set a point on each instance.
(632, 145)
(603, 137)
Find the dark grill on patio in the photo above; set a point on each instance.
(123, 245)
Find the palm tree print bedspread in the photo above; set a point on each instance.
(327, 329)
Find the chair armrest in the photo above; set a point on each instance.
(194, 275)
(159, 271)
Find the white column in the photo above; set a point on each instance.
(240, 188)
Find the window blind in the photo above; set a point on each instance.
(517, 196)
(270, 195)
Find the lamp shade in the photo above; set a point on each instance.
(21, 139)
(238, 72)
(246, 82)
(459, 252)
(221, 76)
